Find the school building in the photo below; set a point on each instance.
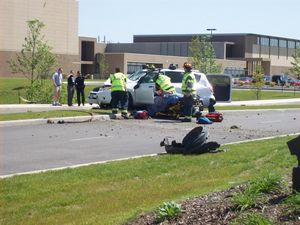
(238, 53)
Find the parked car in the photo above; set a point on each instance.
(294, 82)
(245, 80)
(141, 87)
(267, 79)
(280, 79)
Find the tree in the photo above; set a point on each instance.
(258, 81)
(296, 63)
(35, 60)
(102, 65)
(203, 55)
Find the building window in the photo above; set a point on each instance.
(264, 41)
(258, 40)
(235, 71)
(282, 43)
(291, 44)
(274, 42)
(297, 44)
(133, 67)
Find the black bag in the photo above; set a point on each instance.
(193, 143)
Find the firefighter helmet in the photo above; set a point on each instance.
(187, 66)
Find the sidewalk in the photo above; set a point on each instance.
(17, 108)
(289, 101)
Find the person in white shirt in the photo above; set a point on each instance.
(57, 79)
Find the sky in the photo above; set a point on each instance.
(116, 21)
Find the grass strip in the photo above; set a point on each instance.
(244, 95)
(116, 192)
(50, 114)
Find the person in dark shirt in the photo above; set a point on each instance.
(79, 85)
(71, 88)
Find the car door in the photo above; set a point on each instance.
(221, 84)
(144, 90)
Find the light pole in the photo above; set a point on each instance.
(211, 30)
(210, 56)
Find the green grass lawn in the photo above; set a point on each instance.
(51, 114)
(116, 192)
(9, 92)
(242, 95)
(12, 88)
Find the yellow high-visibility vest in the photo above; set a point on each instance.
(188, 83)
(164, 82)
(118, 82)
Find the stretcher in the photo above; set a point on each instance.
(175, 110)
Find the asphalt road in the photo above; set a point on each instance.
(45, 146)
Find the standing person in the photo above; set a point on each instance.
(119, 93)
(79, 85)
(71, 84)
(163, 85)
(188, 90)
(57, 79)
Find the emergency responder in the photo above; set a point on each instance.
(119, 93)
(79, 85)
(189, 91)
(151, 67)
(163, 85)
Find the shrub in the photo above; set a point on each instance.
(248, 199)
(240, 83)
(168, 210)
(243, 201)
(293, 200)
(252, 219)
(43, 93)
(265, 184)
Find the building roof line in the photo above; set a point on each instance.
(214, 34)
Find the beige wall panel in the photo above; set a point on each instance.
(281, 61)
(279, 70)
(61, 22)
(265, 56)
(65, 61)
(116, 60)
(100, 48)
(232, 63)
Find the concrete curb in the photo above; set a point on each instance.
(261, 102)
(76, 119)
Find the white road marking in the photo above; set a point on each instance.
(90, 138)
(272, 121)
